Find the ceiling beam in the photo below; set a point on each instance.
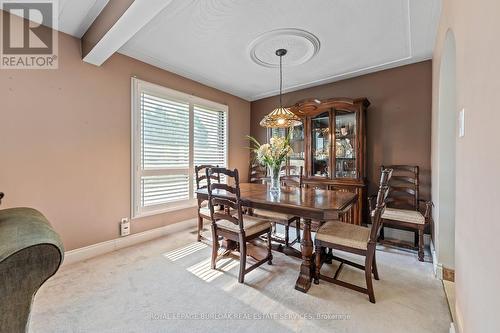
(115, 25)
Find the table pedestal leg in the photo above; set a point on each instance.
(304, 281)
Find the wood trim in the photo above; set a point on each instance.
(448, 274)
(314, 106)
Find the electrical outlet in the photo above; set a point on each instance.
(124, 227)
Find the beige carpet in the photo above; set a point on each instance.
(449, 289)
(166, 285)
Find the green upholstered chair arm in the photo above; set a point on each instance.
(21, 228)
(30, 253)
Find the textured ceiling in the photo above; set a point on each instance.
(210, 41)
(75, 16)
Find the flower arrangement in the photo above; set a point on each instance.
(272, 155)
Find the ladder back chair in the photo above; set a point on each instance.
(237, 227)
(257, 173)
(291, 176)
(356, 239)
(201, 183)
(404, 207)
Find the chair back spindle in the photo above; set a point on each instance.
(292, 179)
(224, 195)
(403, 187)
(376, 214)
(257, 173)
(200, 175)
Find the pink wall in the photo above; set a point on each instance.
(476, 28)
(65, 142)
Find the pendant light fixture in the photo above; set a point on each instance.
(280, 117)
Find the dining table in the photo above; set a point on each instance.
(308, 203)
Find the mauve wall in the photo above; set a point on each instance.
(65, 142)
(398, 120)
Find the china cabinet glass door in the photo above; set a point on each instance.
(320, 145)
(345, 144)
(297, 142)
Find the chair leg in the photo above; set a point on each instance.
(297, 230)
(273, 228)
(200, 227)
(215, 246)
(381, 236)
(243, 258)
(287, 235)
(269, 249)
(368, 277)
(420, 244)
(374, 268)
(329, 257)
(319, 251)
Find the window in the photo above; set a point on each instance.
(172, 132)
(278, 132)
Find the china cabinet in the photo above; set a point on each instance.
(331, 146)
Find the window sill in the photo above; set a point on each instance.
(165, 210)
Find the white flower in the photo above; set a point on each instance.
(263, 152)
(273, 153)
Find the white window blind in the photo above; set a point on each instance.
(172, 132)
(209, 136)
(164, 150)
(165, 133)
(210, 141)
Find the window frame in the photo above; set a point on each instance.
(137, 87)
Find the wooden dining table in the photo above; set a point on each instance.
(307, 203)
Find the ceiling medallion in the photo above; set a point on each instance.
(302, 46)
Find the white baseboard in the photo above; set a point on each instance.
(87, 252)
(452, 328)
(438, 268)
(438, 271)
(459, 323)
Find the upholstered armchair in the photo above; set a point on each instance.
(30, 253)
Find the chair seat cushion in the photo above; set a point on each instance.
(205, 212)
(403, 215)
(273, 216)
(344, 234)
(251, 225)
